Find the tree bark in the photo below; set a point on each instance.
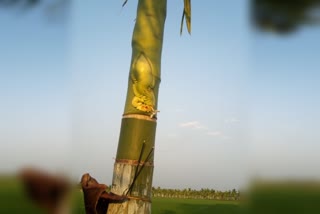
(133, 168)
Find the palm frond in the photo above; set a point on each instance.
(186, 14)
(124, 3)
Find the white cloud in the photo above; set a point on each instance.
(225, 137)
(189, 124)
(214, 133)
(193, 125)
(231, 120)
(196, 125)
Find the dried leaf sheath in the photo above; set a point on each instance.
(186, 15)
(96, 199)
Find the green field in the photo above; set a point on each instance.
(181, 206)
(280, 198)
(13, 201)
(192, 206)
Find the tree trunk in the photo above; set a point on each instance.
(133, 168)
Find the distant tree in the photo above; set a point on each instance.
(284, 16)
(203, 193)
(55, 8)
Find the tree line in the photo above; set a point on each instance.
(203, 193)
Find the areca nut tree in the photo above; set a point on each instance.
(133, 167)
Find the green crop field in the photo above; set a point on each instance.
(13, 201)
(180, 206)
(192, 206)
(273, 199)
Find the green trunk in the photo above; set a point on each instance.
(138, 128)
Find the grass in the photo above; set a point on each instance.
(177, 206)
(13, 201)
(273, 199)
(193, 206)
(282, 198)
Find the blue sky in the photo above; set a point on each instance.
(234, 103)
